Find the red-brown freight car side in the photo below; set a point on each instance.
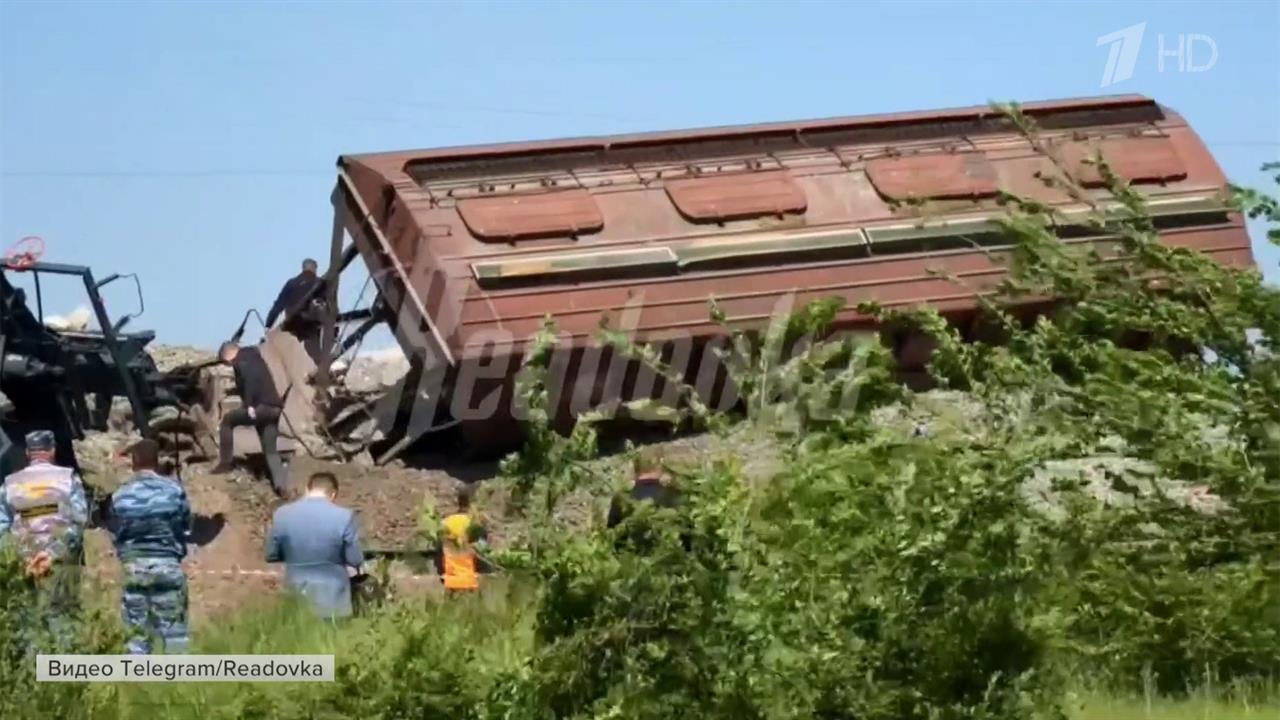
(473, 246)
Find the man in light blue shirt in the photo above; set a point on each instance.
(318, 542)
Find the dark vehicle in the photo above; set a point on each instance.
(66, 381)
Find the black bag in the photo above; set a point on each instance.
(315, 311)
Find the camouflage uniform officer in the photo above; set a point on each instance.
(43, 512)
(150, 524)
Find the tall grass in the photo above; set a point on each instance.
(422, 657)
(1264, 705)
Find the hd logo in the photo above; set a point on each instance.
(1125, 45)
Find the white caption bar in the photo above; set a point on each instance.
(184, 668)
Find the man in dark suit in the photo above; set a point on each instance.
(302, 320)
(319, 544)
(260, 407)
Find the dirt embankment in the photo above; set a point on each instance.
(226, 565)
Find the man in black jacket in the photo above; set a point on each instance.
(260, 406)
(302, 320)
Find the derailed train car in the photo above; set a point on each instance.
(471, 247)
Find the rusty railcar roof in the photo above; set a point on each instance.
(1054, 114)
(483, 241)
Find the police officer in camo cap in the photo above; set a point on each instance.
(43, 512)
(150, 524)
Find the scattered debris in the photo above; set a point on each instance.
(1113, 481)
(75, 321)
(373, 372)
(101, 466)
(946, 414)
(172, 357)
(1110, 476)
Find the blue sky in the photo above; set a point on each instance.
(194, 143)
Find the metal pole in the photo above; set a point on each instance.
(39, 298)
(109, 336)
(331, 279)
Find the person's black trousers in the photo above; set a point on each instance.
(266, 421)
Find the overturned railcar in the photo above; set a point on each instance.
(471, 247)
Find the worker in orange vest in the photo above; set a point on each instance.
(456, 559)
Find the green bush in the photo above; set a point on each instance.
(30, 626)
(868, 581)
